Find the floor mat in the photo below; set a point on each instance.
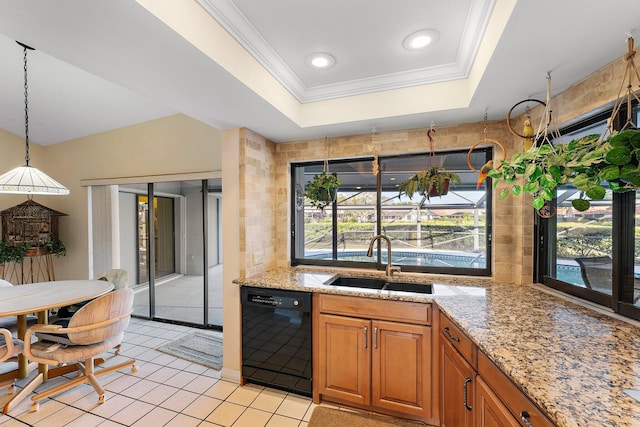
(329, 417)
(198, 347)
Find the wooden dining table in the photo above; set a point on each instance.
(39, 298)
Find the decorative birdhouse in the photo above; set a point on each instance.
(30, 224)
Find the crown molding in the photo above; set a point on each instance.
(227, 14)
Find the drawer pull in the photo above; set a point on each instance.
(448, 334)
(375, 337)
(524, 416)
(466, 401)
(366, 329)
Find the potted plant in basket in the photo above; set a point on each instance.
(322, 189)
(15, 252)
(431, 182)
(589, 163)
(12, 252)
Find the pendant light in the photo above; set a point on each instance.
(27, 179)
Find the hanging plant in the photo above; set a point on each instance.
(431, 182)
(592, 163)
(322, 189)
(587, 163)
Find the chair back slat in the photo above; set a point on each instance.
(110, 306)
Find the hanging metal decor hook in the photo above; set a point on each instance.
(432, 142)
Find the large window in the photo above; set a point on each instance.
(445, 234)
(595, 254)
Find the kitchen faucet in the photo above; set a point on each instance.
(390, 269)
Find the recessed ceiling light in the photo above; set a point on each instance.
(421, 39)
(320, 60)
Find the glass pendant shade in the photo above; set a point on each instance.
(29, 180)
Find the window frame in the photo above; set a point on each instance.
(378, 264)
(623, 243)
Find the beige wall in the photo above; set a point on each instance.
(174, 144)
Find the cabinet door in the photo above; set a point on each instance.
(344, 358)
(457, 379)
(401, 367)
(490, 411)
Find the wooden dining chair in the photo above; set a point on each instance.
(93, 329)
(117, 276)
(120, 280)
(10, 348)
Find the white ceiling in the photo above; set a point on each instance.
(101, 65)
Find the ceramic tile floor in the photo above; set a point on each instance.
(165, 391)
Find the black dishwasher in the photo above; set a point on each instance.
(276, 338)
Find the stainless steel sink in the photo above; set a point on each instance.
(382, 284)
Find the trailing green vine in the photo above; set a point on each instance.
(587, 163)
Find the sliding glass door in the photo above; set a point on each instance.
(176, 260)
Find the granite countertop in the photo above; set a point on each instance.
(573, 362)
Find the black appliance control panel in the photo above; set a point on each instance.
(274, 300)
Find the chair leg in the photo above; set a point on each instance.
(87, 375)
(57, 390)
(10, 384)
(88, 371)
(23, 393)
(98, 388)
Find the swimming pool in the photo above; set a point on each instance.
(567, 271)
(422, 259)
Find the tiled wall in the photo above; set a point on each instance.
(257, 203)
(513, 216)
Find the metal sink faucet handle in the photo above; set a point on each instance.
(390, 268)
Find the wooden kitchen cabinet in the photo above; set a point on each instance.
(344, 358)
(474, 392)
(523, 410)
(365, 356)
(457, 380)
(401, 367)
(490, 411)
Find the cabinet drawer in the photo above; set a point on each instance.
(451, 333)
(400, 311)
(516, 401)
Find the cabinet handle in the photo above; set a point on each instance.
(466, 401)
(451, 337)
(524, 416)
(375, 337)
(366, 330)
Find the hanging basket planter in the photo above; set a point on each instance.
(322, 190)
(432, 182)
(442, 191)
